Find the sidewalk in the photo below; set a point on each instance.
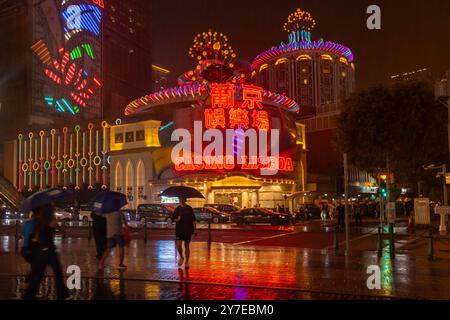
(223, 270)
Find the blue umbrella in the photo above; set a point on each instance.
(108, 201)
(42, 198)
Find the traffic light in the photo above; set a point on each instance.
(383, 190)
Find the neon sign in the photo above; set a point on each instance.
(223, 163)
(73, 69)
(225, 112)
(235, 121)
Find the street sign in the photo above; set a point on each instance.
(390, 212)
(422, 211)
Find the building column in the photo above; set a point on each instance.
(255, 198)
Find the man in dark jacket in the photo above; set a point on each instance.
(99, 232)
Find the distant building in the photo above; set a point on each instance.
(159, 78)
(416, 75)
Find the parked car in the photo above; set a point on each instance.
(227, 208)
(211, 214)
(154, 213)
(62, 215)
(13, 215)
(258, 215)
(84, 214)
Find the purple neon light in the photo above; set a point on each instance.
(199, 91)
(327, 46)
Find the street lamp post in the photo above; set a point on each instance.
(347, 222)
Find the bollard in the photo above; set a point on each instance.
(209, 232)
(17, 236)
(380, 242)
(145, 230)
(336, 240)
(90, 230)
(392, 244)
(430, 245)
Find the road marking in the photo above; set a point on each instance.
(264, 238)
(359, 238)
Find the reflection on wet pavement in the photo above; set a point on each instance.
(237, 272)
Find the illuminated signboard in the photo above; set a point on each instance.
(69, 57)
(243, 119)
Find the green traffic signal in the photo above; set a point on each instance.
(383, 190)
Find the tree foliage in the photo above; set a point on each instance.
(402, 123)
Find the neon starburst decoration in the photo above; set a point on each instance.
(299, 21)
(212, 46)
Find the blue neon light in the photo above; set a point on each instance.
(82, 18)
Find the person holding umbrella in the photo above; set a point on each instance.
(108, 205)
(185, 221)
(41, 239)
(185, 224)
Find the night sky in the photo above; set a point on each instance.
(415, 33)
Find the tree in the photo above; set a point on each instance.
(402, 123)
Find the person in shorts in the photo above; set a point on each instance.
(115, 223)
(184, 218)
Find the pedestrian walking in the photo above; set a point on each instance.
(331, 212)
(357, 212)
(29, 248)
(45, 255)
(323, 213)
(341, 215)
(185, 225)
(99, 232)
(115, 225)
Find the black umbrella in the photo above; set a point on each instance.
(182, 192)
(108, 201)
(42, 198)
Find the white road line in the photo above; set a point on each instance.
(359, 238)
(265, 238)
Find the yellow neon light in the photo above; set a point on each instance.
(326, 57)
(281, 60)
(352, 65)
(160, 69)
(253, 73)
(263, 67)
(304, 57)
(343, 60)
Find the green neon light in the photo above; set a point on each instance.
(89, 50)
(60, 108)
(49, 101)
(76, 53)
(68, 106)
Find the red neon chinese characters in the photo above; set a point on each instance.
(239, 119)
(222, 96)
(261, 120)
(215, 118)
(252, 96)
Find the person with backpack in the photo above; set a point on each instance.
(28, 247)
(45, 255)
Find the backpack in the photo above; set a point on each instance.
(27, 233)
